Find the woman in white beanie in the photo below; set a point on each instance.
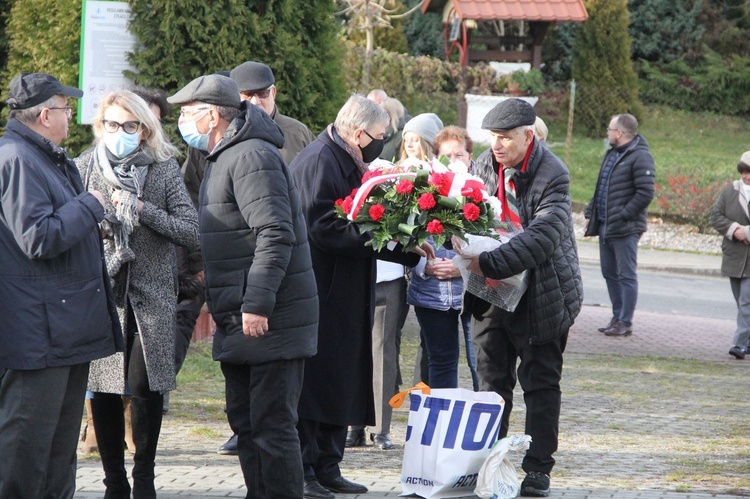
(419, 132)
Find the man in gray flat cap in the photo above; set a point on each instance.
(256, 83)
(260, 284)
(534, 189)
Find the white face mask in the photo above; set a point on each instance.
(122, 144)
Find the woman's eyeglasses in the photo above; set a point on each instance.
(129, 127)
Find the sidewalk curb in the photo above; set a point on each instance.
(672, 269)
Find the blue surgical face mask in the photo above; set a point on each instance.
(191, 135)
(122, 144)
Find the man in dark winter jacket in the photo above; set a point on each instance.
(59, 311)
(260, 285)
(617, 214)
(534, 189)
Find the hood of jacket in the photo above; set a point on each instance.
(251, 123)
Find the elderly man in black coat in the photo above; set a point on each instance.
(337, 390)
(259, 279)
(535, 193)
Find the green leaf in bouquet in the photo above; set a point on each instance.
(443, 159)
(439, 239)
(423, 217)
(448, 202)
(407, 228)
(422, 177)
(369, 227)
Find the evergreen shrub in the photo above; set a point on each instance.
(604, 75)
(714, 84)
(44, 37)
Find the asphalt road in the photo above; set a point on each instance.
(664, 292)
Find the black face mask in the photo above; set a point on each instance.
(371, 151)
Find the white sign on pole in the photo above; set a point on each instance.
(105, 43)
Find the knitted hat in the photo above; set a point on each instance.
(745, 160)
(426, 125)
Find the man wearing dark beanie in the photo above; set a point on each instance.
(534, 189)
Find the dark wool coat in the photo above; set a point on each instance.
(729, 213)
(254, 244)
(546, 249)
(168, 217)
(630, 191)
(59, 309)
(338, 380)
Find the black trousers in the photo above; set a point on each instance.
(539, 373)
(262, 406)
(40, 417)
(186, 316)
(322, 448)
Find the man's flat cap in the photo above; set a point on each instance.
(29, 89)
(252, 75)
(211, 89)
(509, 114)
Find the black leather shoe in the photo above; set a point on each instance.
(619, 329)
(343, 486)
(313, 490)
(355, 438)
(612, 322)
(229, 448)
(381, 440)
(738, 352)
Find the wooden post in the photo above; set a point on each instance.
(571, 111)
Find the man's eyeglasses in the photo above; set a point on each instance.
(129, 127)
(68, 111)
(261, 94)
(190, 110)
(613, 129)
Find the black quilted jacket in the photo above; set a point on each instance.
(254, 244)
(630, 191)
(546, 249)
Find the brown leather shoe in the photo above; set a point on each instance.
(611, 323)
(619, 329)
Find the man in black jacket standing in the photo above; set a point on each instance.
(260, 284)
(617, 214)
(534, 189)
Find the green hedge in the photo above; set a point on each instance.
(714, 84)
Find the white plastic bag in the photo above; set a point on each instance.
(448, 437)
(497, 477)
(505, 293)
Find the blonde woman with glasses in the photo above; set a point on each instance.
(148, 211)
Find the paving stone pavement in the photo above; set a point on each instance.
(188, 466)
